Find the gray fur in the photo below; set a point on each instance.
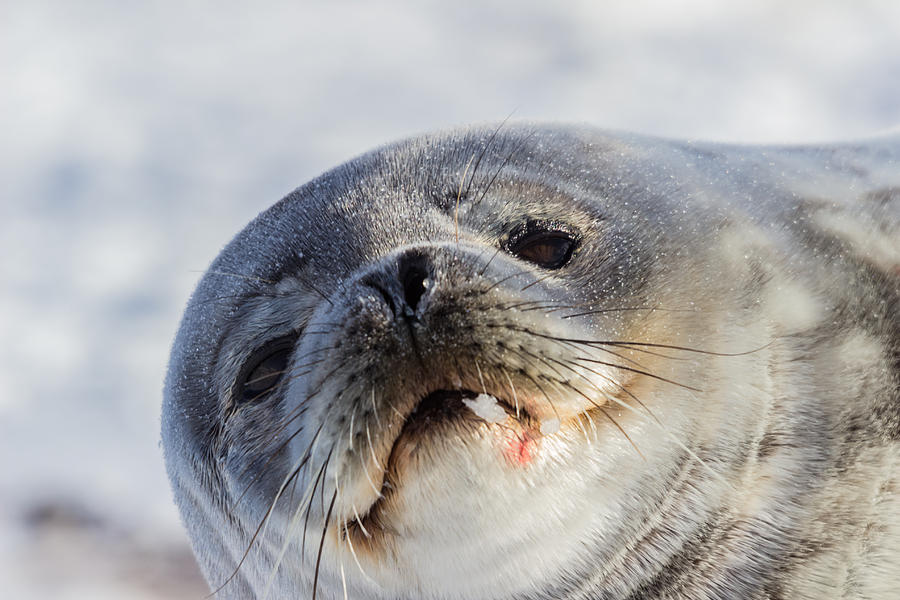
(781, 265)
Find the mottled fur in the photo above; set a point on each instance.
(723, 351)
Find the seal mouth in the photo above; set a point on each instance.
(435, 409)
(439, 409)
(434, 414)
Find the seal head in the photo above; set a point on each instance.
(551, 362)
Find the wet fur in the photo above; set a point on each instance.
(723, 351)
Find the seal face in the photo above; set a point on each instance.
(551, 362)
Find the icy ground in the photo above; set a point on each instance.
(137, 138)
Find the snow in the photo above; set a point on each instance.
(139, 137)
(486, 407)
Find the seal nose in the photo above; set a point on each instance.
(413, 273)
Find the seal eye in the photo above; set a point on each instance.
(547, 249)
(264, 370)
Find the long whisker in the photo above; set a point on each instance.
(322, 545)
(487, 264)
(459, 195)
(512, 153)
(485, 149)
(655, 420)
(504, 279)
(538, 280)
(513, 388)
(305, 503)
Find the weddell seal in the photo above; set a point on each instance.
(530, 361)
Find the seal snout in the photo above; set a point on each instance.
(404, 283)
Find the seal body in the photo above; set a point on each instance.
(551, 362)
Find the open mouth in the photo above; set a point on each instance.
(437, 413)
(460, 408)
(441, 407)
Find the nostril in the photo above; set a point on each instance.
(412, 277)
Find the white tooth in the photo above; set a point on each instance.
(550, 426)
(486, 407)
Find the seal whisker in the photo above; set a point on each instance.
(527, 353)
(481, 378)
(372, 449)
(638, 371)
(353, 551)
(538, 280)
(591, 423)
(637, 346)
(627, 308)
(341, 537)
(627, 437)
(359, 522)
(462, 180)
(293, 524)
(518, 147)
(581, 426)
(600, 407)
(488, 263)
(375, 410)
(365, 471)
(301, 407)
(352, 428)
(607, 363)
(307, 511)
(484, 149)
(293, 472)
(605, 414)
(532, 304)
(579, 348)
(547, 396)
(513, 390)
(246, 552)
(310, 285)
(504, 280)
(343, 577)
(321, 546)
(459, 195)
(654, 419)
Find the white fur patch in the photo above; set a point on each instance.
(880, 247)
(793, 307)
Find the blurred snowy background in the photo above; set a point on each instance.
(137, 137)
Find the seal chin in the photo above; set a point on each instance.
(442, 417)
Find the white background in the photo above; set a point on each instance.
(137, 137)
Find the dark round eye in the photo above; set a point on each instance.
(550, 249)
(264, 370)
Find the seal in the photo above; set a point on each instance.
(551, 362)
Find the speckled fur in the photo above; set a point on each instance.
(755, 456)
